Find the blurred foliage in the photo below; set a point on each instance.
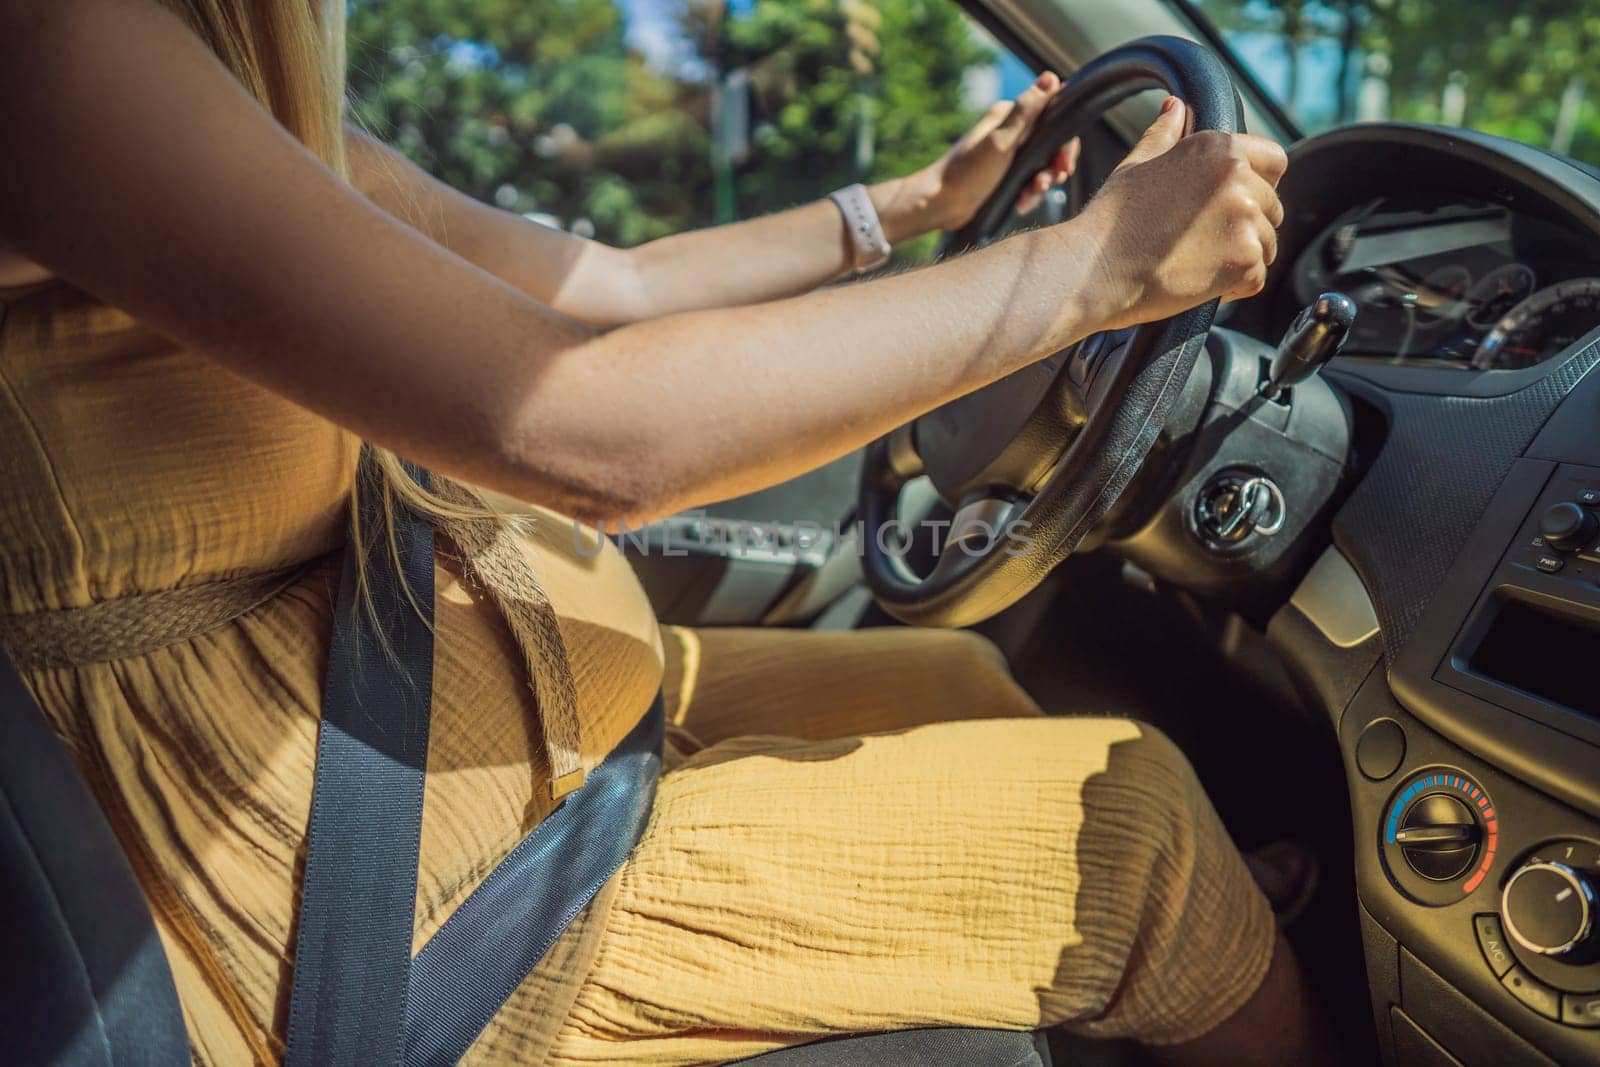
(1511, 64)
(540, 106)
(812, 104)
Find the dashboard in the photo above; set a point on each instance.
(1454, 281)
(1467, 533)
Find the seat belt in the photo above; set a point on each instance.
(358, 995)
(475, 961)
(352, 953)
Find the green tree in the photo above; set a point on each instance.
(824, 118)
(539, 105)
(534, 105)
(1520, 70)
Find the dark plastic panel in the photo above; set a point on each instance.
(1445, 984)
(1573, 433)
(1459, 1024)
(1383, 978)
(1431, 483)
(1302, 447)
(1326, 676)
(1413, 1047)
(1537, 745)
(1505, 663)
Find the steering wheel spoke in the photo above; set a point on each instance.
(1094, 366)
(980, 526)
(905, 462)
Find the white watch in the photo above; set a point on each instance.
(869, 247)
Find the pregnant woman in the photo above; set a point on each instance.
(214, 297)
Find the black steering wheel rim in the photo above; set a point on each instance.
(1090, 469)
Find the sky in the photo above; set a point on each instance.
(1316, 103)
(651, 29)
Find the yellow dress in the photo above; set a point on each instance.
(839, 842)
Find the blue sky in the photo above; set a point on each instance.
(1315, 102)
(652, 31)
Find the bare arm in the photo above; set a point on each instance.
(742, 263)
(746, 262)
(141, 171)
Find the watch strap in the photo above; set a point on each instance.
(869, 247)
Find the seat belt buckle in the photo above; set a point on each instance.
(570, 782)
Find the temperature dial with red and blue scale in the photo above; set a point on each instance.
(1440, 836)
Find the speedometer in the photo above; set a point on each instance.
(1541, 325)
(1498, 293)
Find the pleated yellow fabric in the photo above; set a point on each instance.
(133, 467)
(898, 858)
(839, 843)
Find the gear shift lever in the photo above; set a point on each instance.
(1315, 336)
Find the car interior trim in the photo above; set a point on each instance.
(1332, 597)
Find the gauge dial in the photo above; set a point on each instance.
(1439, 297)
(1499, 292)
(1544, 323)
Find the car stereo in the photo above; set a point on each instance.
(1532, 642)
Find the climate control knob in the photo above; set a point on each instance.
(1439, 837)
(1548, 908)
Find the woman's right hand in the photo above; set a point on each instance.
(1184, 219)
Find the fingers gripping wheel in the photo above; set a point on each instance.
(1044, 453)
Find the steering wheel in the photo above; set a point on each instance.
(1031, 462)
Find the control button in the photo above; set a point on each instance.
(1549, 564)
(1589, 497)
(1438, 837)
(1380, 749)
(1538, 542)
(1581, 1009)
(1532, 992)
(1493, 942)
(1548, 908)
(1567, 526)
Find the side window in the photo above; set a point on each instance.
(628, 120)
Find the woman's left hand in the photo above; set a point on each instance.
(953, 188)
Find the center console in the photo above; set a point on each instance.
(1474, 766)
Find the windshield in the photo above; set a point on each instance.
(1518, 70)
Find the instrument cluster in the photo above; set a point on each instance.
(1467, 284)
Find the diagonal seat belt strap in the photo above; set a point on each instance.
(482, 953)
(352, 955)
(358, 996)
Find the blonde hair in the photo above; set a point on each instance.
(290, 55)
